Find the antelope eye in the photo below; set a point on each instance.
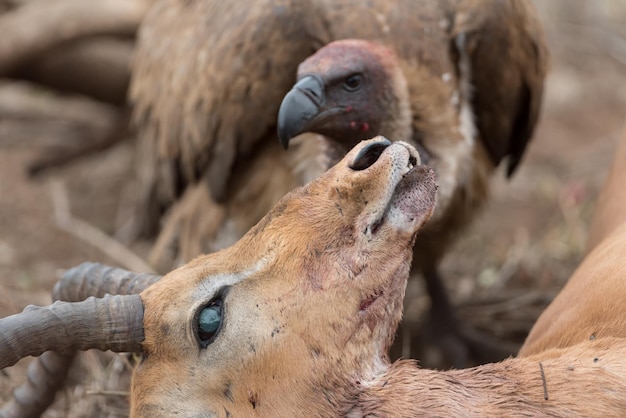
(352, 82)
(209, 322)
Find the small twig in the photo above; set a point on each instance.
(543, 380)
(506, 303)
(107, 393)
(92, 235)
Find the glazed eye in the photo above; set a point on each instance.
(352, 82)
(209, 322)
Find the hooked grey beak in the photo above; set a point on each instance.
(299, 107)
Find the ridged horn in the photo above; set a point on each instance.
(43, 378)
(93, 279)
(110, 323)
(47, 373)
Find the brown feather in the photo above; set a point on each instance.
(209, 77)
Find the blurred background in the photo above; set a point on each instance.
(506, 268)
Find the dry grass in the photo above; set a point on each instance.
(504, 270)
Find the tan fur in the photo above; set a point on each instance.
(593, 302)
(300, 338)
(295, 330)
(588, 380)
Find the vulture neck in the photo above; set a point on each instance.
(397, 122)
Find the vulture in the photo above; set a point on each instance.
(220, 87)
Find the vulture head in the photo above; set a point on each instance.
(349, 90)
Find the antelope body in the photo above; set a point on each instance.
(301, 311)
(591, 305)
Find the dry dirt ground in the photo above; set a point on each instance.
(503, 271)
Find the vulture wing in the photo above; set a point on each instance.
(504, 42)
(208, 79)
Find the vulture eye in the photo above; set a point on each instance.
(352, 82)
(209, 322)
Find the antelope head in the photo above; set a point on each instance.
(290, 319)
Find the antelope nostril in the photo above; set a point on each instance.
(369, 154)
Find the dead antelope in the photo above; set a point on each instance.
(296, 318)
